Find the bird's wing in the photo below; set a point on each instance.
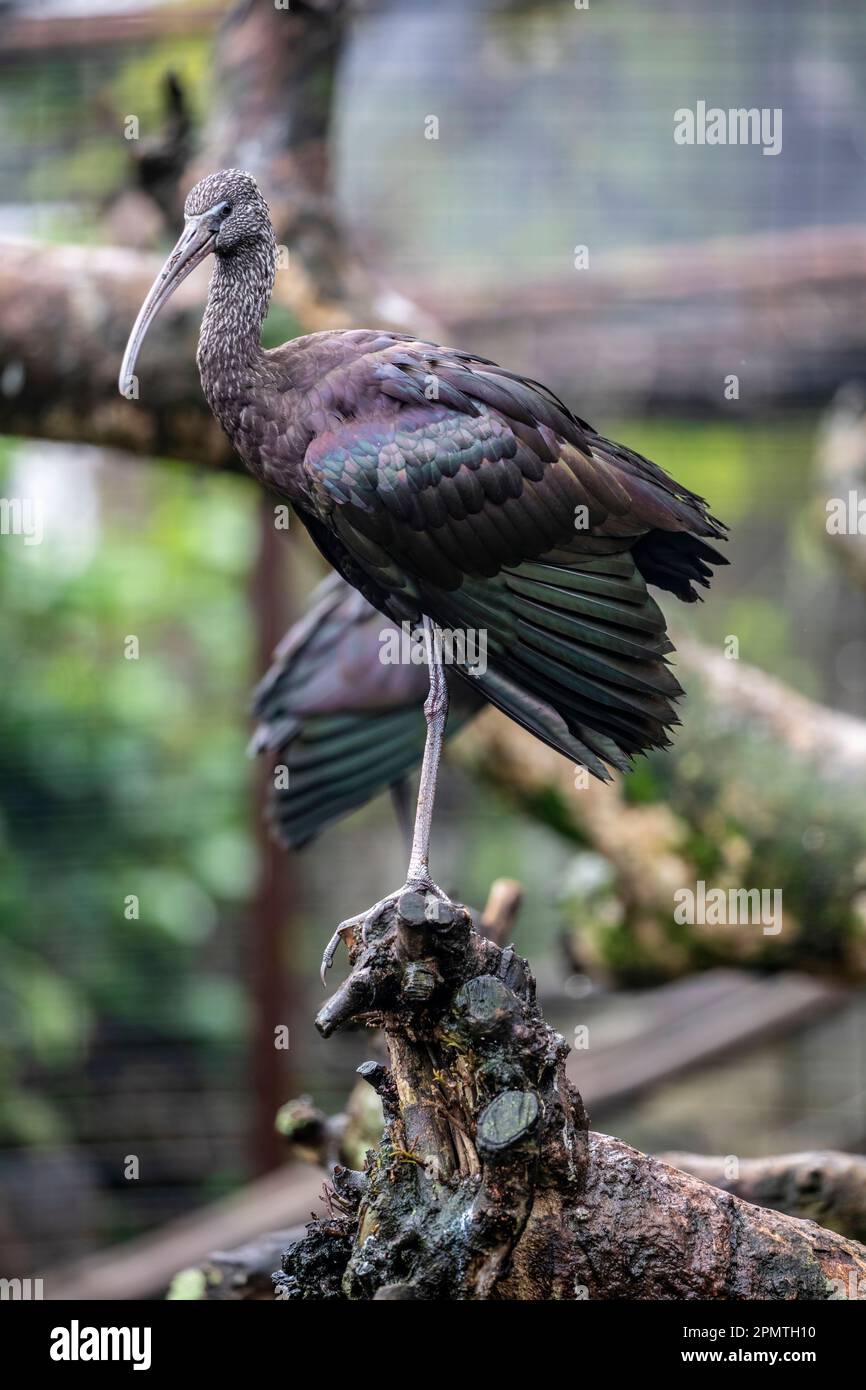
(343, 724)
(483, 502)
(466, 467)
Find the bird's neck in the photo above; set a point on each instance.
(229, 345)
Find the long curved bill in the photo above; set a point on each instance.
(194, 244)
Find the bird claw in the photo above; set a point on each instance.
(331, 949)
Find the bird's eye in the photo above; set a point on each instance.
(222, 209)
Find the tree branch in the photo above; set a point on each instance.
(823, 1186)
(66, 315)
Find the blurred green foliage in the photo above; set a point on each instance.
(119, 777)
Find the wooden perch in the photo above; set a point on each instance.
(649, 1231)
(827, 1187)
(487, 1184)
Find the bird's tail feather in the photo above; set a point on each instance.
(576, 654)
(335, 766)
(340, 726)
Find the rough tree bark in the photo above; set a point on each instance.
(487, 1184)
(822, 1186)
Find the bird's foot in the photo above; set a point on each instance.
(412, 902)
(344, 929)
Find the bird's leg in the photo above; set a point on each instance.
(418, 877)
(436, 714)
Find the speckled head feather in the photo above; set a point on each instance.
(227, 217)
(247, 217)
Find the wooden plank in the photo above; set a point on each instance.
(144, 1267)
(683, 1025)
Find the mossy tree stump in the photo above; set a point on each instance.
(487, 1184)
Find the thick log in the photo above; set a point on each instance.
(631, 366)
(823, 1186)
(645, 1230)
(65, 315)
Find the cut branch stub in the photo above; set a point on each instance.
(479, 1115)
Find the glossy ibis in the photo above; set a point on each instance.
(456, 496)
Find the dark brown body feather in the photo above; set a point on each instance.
(436, 482)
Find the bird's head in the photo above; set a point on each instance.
(224, 214)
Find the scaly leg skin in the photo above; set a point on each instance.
(418, 878)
